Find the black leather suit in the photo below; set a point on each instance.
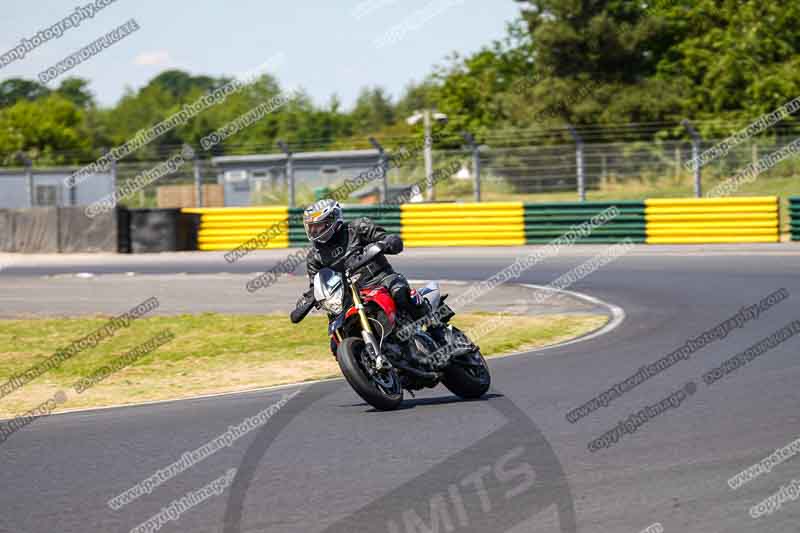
(357, 235)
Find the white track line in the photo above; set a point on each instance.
(617, 316)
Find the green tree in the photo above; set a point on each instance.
(179, 83)
(76, 90)
(739, 57)
(16, 89)
(584, 62)
(51, 130)
(373, 110)
(416, 96)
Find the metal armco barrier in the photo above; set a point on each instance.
(547, 221)
(29, 230)
(712, 220)
(225, 228)
(463, 224)
(57, 230)
(162, 230)
(78, 233)
(794, 216)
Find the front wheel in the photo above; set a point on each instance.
(381, 389)
(468, 378)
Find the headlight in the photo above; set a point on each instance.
(333, 304)
(328, 290)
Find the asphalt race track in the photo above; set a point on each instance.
(511, 462)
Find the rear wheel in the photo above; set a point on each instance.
(468, 376)
(381, 389)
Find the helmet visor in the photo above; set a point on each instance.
(318, 230)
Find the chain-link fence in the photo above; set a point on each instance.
(521, 170)
(623, 170)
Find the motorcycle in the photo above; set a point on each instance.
(381, 351)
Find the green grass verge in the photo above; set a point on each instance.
(214, 353)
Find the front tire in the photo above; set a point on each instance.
(352, 361)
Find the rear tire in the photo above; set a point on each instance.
(468, 382)
(349, 356)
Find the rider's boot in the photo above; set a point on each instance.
(434, 327)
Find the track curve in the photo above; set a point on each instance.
(332, 464)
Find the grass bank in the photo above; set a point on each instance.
(210, 353)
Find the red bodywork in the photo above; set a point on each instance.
(381, 296)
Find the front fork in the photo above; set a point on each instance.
(373, 346)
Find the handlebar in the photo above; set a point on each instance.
(370, 253)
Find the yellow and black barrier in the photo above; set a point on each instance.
(794, 218)
(656, 221)
(226, 228)
(712, 220)
(463, 224)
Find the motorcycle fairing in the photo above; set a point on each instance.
(431, 293)
(381, 296)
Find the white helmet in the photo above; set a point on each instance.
(322, 220)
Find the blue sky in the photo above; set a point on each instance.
(329, 46)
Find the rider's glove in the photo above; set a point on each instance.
(305, 298)
(301, 309)
(391, 244)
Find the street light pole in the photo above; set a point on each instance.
(428, 116)
(579, 162)
(696, 140)
(476, 163)
(25, 160)
(431, 194)
(289, 171)
(384, 171)
(198, 182)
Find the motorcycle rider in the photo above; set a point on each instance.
(332, 238)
